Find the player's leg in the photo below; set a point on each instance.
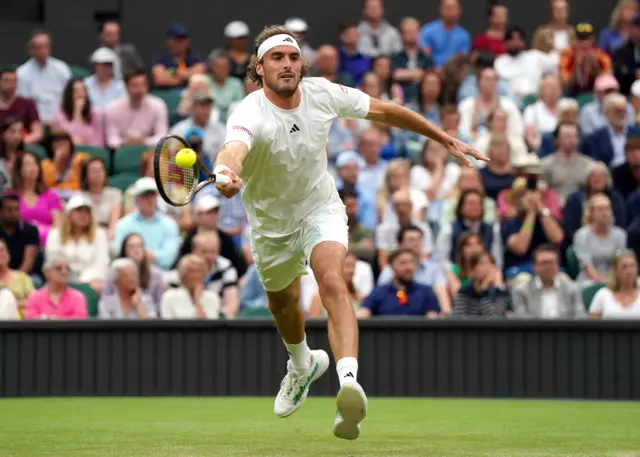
(280, 268)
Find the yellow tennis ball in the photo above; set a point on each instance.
(186, 158)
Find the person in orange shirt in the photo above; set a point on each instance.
(582, 63)
(61, 168)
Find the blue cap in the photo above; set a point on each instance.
(178, 31)
(348, 157)
(194, 131)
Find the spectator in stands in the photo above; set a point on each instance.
(402, 296)
(557, 35)
(592, 115)
(8, 306)
(106, 201)
(342, 137)
(583, 62)
(457, 77)
(521, 68)
(460, 274)
(300, 28)
(357, 297)
(11, 147)
(626, 177)
(376, 36)
(469, 218)
(207, 211)
(532, 226)
(360, 236)
(20, 237)
(444, 38)
(56, 300)
(410, 63)
(173, 69)
(42, 77)
(635, 101)
(237, 34)
(469, 179)
(616, 34)
(620, 299)
(383, 69)
(485, 296)
(567, 111)
(428, 272)
(20, 108)
(541, 117)
(128, 301)
(387, 233)
(326, 65)
(632, 210)
(372, 174)
(226, 88)
(128, 57)
(427, 102)
(150, 280)
(82, 241)
(566, 169)
(450, 123)
(198, 84)
(598, 182)
(597, 242)
(252, 294)
(626, 67)
(139, 118)
(348, 165)
(499, 174)
(203, 117)
(492, 40)
(191, 300)
(434, 175)
(17, 282)
(159, 232)
(497, 126)
(250, 86)
(103, 87)
(398, 177)
(352, 62)
(548, 294)
(78, 117)
(62, 166)
(474, 112)
(38, 206)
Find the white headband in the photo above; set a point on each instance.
(276, 40)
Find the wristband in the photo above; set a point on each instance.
(220, 168)
(528, 225)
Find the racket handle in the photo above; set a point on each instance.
(222, 180)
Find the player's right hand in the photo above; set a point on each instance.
(233, 187)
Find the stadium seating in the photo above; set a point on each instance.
(588, 293)
(255, 313)
(123, 181)
(573, 265)
(79, 72)
(37, 149)
(97, 151)
(127, 159)
(90, 295)
(172, 99)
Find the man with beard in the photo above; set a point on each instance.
(276, 144)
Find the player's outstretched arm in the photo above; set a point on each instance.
(229, 162)
(405, 119)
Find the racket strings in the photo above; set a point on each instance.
(178, 183)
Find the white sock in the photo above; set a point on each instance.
(347, 368)
(299, 354)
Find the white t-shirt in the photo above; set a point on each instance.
(524, 72)
(421, 178)
(539, 116)
(604, 303)
(515, 125)
(285, 173)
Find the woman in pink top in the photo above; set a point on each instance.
(56, 300)
(76, 116)
(38, 206)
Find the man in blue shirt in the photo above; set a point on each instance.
(444, 38)
(348, 166)
(173, 69)
(352, 62)
(403, 296)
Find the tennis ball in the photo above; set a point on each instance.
(186, 158)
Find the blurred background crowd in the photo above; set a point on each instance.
(550, 228)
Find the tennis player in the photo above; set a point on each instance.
(275, 148)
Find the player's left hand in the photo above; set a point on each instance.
(460, 150)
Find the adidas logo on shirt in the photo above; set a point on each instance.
(294, 129)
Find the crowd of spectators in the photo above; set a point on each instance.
(550, 228)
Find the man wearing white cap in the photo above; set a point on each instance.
(237, 34)
(102, 86)
(276, 144)
(300, 28)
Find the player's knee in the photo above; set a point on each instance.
(331, 283)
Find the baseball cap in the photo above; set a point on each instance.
(178, 31)
(77, 201)
(207, 203)
(527, 163)
(103, 55)
(202, 97)
(295, 24)
(144, 186)
(584, 30)
(236, 29)
(347, 157)
(605, 82)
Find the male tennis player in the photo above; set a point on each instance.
(275, 148)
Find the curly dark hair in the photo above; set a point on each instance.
(267, 33)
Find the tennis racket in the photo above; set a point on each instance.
(177, 186)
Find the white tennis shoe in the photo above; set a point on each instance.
(295, 386)
(352, 409)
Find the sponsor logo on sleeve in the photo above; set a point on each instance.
(242, 129)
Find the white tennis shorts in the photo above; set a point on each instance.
(281, 260)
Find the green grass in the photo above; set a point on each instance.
(203, 427)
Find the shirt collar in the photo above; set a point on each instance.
(155, 217)
(539, 285)
(614, 134)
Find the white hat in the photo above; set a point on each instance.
(143, 186)
(207, 203)
(635, 88)
(103, 55)
(295, 24)
(236, 29)
(77, 201)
